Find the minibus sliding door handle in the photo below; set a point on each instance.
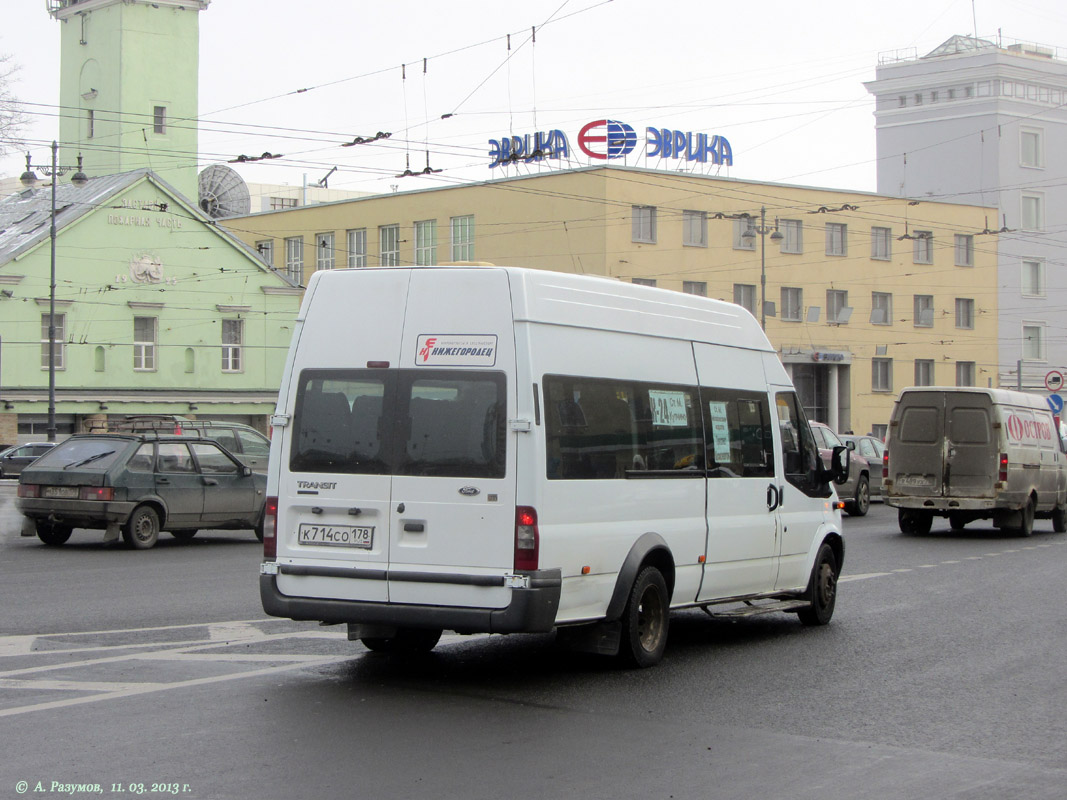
(774, 497)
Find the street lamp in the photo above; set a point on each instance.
(776, 236)
(29, 180)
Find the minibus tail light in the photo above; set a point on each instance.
(1003, 476)
(885, 464)
(270, 529)
(527, 538)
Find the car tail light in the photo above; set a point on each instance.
(885, 465)
(29, 490)
(97, 493)
(270, 529)
(1003, 476)
(527, 539)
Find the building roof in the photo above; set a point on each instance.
(960, 44)
(25, 217)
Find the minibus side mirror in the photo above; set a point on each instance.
(839, 463)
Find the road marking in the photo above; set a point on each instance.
(863, 577)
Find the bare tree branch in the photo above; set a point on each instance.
(12, 117)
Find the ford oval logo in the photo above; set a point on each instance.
(468, 491)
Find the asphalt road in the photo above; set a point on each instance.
(941, 676)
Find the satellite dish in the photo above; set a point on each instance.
(223, 193)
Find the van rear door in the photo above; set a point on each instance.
(943, 445)
(453, 509)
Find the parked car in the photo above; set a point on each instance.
(14, 459)
(856, 491)
(138, 485)
(244, 441)
(873, 449)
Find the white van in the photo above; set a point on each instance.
(969, 453)
(492, 449)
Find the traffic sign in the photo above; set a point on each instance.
(1054, 380)
(1055, 402)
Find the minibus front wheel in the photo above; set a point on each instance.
(822, 589)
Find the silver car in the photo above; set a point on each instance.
(14, 459)
(856, 491)
(873, 449)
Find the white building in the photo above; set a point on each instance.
(983, 122)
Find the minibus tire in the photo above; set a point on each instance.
(645, 620)
(52, 534)
(913, 522)
(1026, 519)
(1059, 519)
(822, 588)
(408, 641)
(141, 530)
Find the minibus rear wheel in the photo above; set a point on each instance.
(914, 522)
(645, 620)
(1059, 519)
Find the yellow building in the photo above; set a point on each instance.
(865, 294)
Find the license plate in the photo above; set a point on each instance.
(66, 492)
(914, 480)
(360, 536)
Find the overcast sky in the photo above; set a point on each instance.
(781, 80)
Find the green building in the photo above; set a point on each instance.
(157, 310)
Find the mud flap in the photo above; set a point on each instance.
(601, 638)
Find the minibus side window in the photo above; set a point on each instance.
(803, 469)
(606, 429)
(738, 434)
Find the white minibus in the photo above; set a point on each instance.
(503, 450)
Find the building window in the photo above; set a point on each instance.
(265, 249)
(836, 239)
(836, 303)
(964, 250)
(90, 123)
(924, 372)
(924, 311)
(881, 249)
(792, 231)
(792, 303)
(357, 248)
(881, 375)
(294, 258)
(324, 251)
(426, 243)
(902, 101)
(745, 296)
(1032, 148)
(232, 332)
(933, 96)
(1033, 212)
(695, 228)
(1034, 342)
(699, 288)
(644, 224)
(389, 245)
(965, 373)
(643, 281)
(965, 313)
(159, 119)
(60, 341)
(918, 99)
(881, 308)
(282, 202)
(463, 238)
(1033, 276)
(923, 247)
(144, 343)
(741, 227)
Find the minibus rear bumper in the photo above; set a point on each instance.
(531, 610)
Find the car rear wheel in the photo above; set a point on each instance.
(645, 620)
(822, 588)
(408, 641)
(52, 534)
(141, 530)
(861, 503)
(914, 522)
(183, 535)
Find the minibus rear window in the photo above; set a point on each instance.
(447, 423)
